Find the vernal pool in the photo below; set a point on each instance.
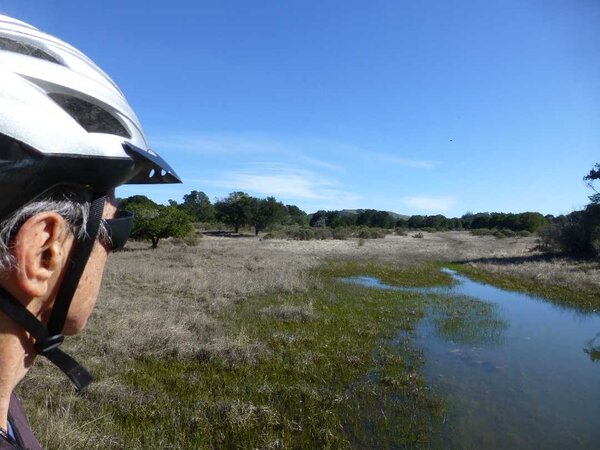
(521, 373)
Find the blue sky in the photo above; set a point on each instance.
(415, 107)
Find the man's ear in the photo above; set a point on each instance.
(40, 250)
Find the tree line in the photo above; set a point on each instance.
(363, 218)
(240, 210)
(528, 221)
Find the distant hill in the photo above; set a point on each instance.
(358, 211)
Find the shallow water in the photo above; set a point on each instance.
(523, 374)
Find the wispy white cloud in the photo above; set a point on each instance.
(298, 170)
(303, 149)
(432, 204)
(288, 183)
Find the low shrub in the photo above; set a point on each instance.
(294, 233)
(482, 232)
(401, 232)
(508, 233)
(301, 234)
(370, 233)
(321, 233)
(501, 234)
(378, 234)
(418, 235)
(341, 233)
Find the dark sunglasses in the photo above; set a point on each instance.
(118, 229)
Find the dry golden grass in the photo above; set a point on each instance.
(549, 272)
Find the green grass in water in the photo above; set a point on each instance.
(331, 381)
(336, 376)
(419, 275)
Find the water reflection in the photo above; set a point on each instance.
(510, 365)
(593, 348)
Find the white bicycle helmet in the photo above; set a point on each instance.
(63, 121)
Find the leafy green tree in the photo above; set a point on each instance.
(198, 206)
(235, 210)
(319, 219)
(401, 223)
(334, 219)
(439, 222)
(159, 222)
(266, 212)
(348, 219)
(530, 221)
(590, 178)
(135, 201)
(382, 219)
(456, 224)
(365, 217)
(467, 219)
(296, 215)
(417, 221)
(481, 220)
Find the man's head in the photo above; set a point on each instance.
(67, 138)
(35, 248)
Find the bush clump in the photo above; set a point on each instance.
(321, 233)
(370, 233)
(482, 232)
(501, 234)
(578, 234)
(401, 232)
(341, 233)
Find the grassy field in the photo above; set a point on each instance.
(249, 343)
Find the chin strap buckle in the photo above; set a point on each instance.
(50, 343)
(78, 374)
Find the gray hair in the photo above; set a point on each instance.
(72, 204)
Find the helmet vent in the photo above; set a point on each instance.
(11, 45)
(91, 117)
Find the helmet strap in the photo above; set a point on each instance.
(77, 263)
(49, 338)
